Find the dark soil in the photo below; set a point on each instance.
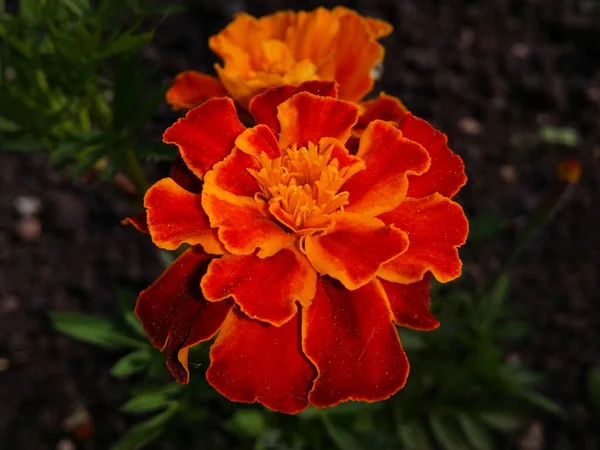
(489, 73)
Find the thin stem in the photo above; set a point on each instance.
(134, 172)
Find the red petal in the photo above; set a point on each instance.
(139, 222)
(409, 304)
(174, 314)
(265, 289)
(436, 226)
(244, 224)
(263, 107)
(355, 248)
(206, 134)
(447, 172)
(175, 216)
(389, 159)
(385, 107)
(191, 88)
(232, 174)
(184, 177)
(350, 338)
(257, 140)
(256, 362)
(307, 118)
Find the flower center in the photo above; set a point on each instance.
(304, 185)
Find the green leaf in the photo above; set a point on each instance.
(126, 42)
(543, 402)
(446, 435)
(505, 422)
(476, 433)
(340, 437)
(130, 364)
(567, 136)
(145, 403)
(411, 340)
(159, 152)
(593, 385)
(8, 126)
(413, 436)
(498, 293)
(145, 432)
(248, 422)
(94, 330)
(22, 145)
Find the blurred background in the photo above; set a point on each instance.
(515, 84)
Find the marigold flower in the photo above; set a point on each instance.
(288, 48)
(304, 255)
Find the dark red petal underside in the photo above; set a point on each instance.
(184, 177)
(139, 222)
(350, 338)
(174, 313)
(256, 362)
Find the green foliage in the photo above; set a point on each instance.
(567, 136)
(593, 385)
(71, 82)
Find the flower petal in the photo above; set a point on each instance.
(244, 223)
(446, 175)
(436, 226)
(307, 118)
(191, 88)
(139, 222)
(389, 159)
(206, 134)
(409, 304)
(263, 107)
(184, 177)
(350, 338)
(257, 140)
(174, 314)
(252, 361)
(265, 289)
(378, 28)
(232, 174)
(385, 107)
(355, 248)
(175, 216)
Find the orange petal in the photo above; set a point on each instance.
(389, 159)
(244, 224)
(139, 222)
(307, 118)
(174, 314)
(175, 216)
(409, 304)
(265, 289)
(252, 361)
(263, 107)
(355, 248)
(184, 177)
(257, 140)
(378, 28)
(385, 107)
(232, 174)
(191, 88)
(436, 226)
(446, 175)
(206, 134)
(350, 338)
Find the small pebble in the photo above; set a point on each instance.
(9, 303)
(65, 444)
(27, 205)
(29, 228)
(521, 50)
(4, 364)
(470, 126)
(508, 173)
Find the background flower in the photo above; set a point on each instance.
(303, 254)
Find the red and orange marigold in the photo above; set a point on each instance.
(304, 254)
(288, 48)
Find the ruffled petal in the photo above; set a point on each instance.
(436, 226)
(184, 177)
(265, 289)
(307, 118)
(191, 88)
(446, 175)
(175, 315)
(232, 174)
(139, 222)
(409, 304)
(378, 28)
(350, 338)
(206, 134)
(385, 107)
(244, 223)
(252, 361)
(389, 159)
(263, 107)
(257, 140)
(175, 216)
(355, 248)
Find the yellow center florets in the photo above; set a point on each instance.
(304, 182)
